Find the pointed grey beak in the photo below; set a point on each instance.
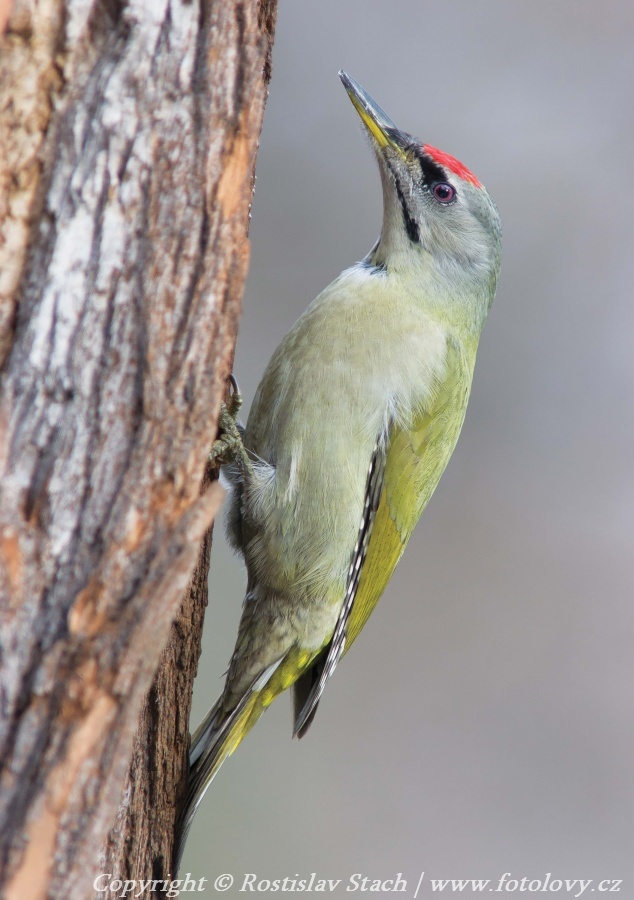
(378, 123)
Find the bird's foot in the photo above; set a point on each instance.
(229, 448)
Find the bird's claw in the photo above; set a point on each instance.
(234, 401)
(229, 446)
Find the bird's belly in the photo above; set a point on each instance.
(302, 522)
(331, 390)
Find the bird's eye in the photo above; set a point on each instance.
(443, 192)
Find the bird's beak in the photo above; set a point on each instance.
(378, 123)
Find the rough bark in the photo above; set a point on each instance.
(128, 134)
(140, 844)
(5, 12)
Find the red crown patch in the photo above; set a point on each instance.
(450, 162)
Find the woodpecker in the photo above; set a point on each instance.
(350, 430)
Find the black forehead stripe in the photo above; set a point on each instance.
(411, 226)
(430, 170)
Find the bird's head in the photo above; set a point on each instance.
(436, 212)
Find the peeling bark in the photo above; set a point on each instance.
(128, 135)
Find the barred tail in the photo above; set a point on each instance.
(214, 740)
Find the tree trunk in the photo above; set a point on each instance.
(141, 843)
(128, 135)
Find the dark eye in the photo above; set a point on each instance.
(443, 192)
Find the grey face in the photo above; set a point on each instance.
(437, 209)
(433, 206)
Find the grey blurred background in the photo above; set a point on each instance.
(484, 722)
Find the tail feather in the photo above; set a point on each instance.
(214, 740)
(226, 724)
(208, 729)
(302, 690)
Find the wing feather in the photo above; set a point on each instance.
(338, 641)
(401, 479)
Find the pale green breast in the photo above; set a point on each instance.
(416, 459)
(361, 354)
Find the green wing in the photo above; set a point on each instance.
(415, 460)
(402, 480)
